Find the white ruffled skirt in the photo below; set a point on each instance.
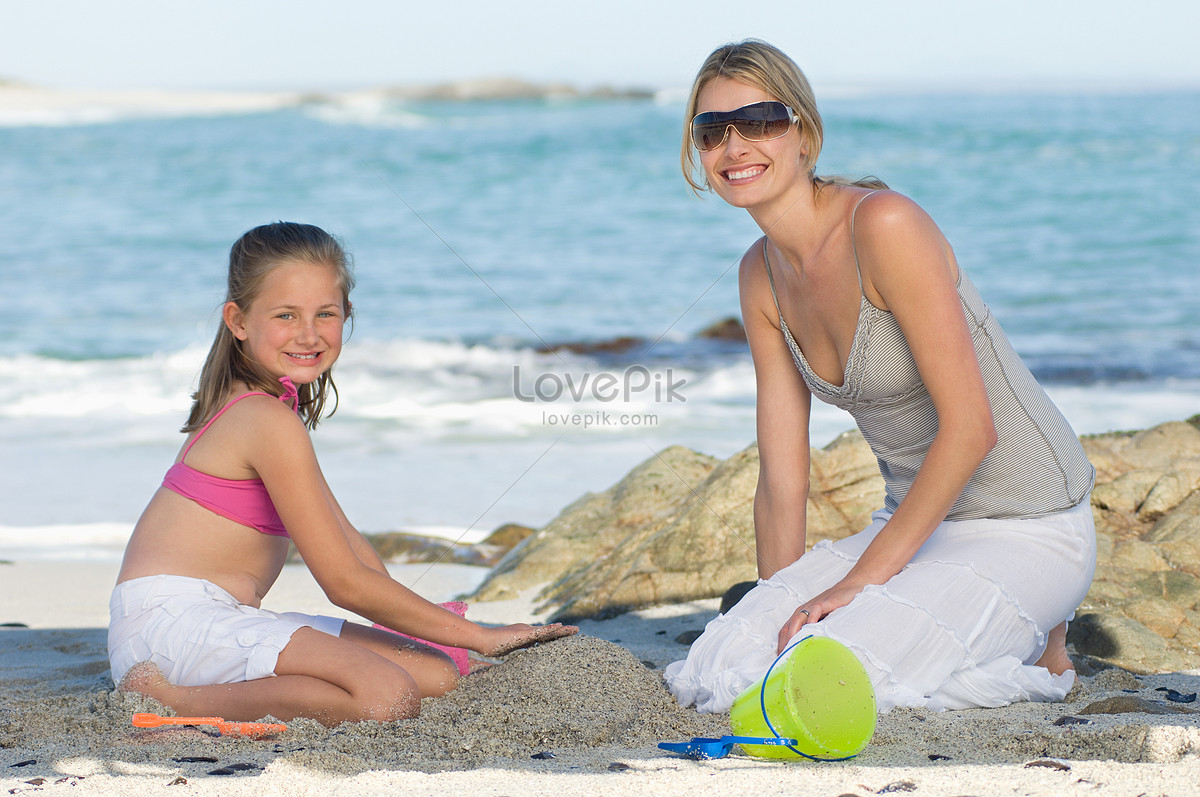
(959, 627)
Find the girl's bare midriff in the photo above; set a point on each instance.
(176, 536)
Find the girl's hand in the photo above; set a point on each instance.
(508, 638)
(813, 610)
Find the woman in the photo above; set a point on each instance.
(958, 592)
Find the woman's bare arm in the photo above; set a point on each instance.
(782, 416)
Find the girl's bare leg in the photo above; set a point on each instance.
(1055, 658)
(326, 678)
(432, 670)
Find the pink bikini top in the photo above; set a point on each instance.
(244, 501)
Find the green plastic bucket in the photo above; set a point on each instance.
(820, 696)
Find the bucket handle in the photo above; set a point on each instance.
(762, 703)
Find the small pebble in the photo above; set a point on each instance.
(899, 785)
(617, 766)
(1177, 697)
(179, 781)
(1131, 705)
(1049, 763)
(688, 637)
(542, 756)
(234, 768)
(1068, 719)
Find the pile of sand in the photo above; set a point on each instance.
(579, 693)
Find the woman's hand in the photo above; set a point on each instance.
(837, 596)
(507, 638)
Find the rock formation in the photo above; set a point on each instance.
(680, 527)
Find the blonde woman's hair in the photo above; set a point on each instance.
(251, 258)
(764, 66)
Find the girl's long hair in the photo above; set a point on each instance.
(251, 258)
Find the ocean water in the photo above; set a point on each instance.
(483, 232)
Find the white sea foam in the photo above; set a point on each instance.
(22, 106)
(369, 109)
(101, 542)
(426, 386)
(1122, 407)
(429, 437)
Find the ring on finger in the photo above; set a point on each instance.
(804, 612)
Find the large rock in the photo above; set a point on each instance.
(1143, 610)
(680, 527)
(708, 542)
(592, 527)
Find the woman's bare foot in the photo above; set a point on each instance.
(1055, 659)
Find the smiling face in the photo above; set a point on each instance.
(293, 327)
(745, 173)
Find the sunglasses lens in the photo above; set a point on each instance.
(760, 121)
(708, 136)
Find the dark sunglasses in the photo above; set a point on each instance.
(758, 121)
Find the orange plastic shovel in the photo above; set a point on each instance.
(254, 730)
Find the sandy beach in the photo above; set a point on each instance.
(577, 717)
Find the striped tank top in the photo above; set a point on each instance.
(1036, 468)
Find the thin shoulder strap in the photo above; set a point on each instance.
(771, 277)
(213, 420)
(853, 242)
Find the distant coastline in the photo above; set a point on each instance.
(25, 104)
(506, 88)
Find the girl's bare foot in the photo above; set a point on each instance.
(145, 678)
(1055, 658)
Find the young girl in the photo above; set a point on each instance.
(957, 593)
(186, 627)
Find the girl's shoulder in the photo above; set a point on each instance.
(248, 425)
(249, 408)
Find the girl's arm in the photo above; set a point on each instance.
(782, 414)
(908, 268)
(350, 574)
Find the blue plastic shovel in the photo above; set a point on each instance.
(702, 748)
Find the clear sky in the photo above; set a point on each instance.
(338, 44)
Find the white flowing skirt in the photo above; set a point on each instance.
(959, 627)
